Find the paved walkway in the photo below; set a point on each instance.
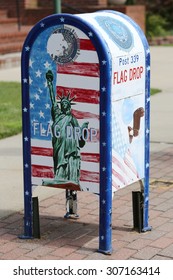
(78, 239)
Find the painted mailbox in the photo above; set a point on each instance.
(85, 88)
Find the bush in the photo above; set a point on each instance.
(156, 25)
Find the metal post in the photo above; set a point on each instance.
(145, 187)
(57, 6)
(105, 222)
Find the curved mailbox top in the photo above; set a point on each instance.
(85, 86)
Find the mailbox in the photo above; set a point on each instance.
(86, 88)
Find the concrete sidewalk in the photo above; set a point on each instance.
(78, 239)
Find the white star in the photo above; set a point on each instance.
(42, 24)
(27, 193)
(104, 144)
(31, 105)
(103, 113)
(90, 34)
(47, 106)
(38, 73)
(148, 68)
(26, 165)
(102, 237)
(62, 19)
(104, 169)
(26, 139)
(25, 81)
(27, 49)
(147, 165)
(37, 97)
(41, 114)
(46, 64)
(40, 90)
(31, 62)
(30, 81)
(103, 201)
(148, 51)
(148, 99)
(104, 62)
(147, 131)
(25, 110)
(103, 89)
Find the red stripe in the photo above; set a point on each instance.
(42, 151)
(82, 69)
(130, 165)
(86, 45)
(83, 115)
(42, 171)
(115, 185)
(89, 176)
(47, 172)
(117, 163)
(81, 95)
(90, 157)
(120, 177)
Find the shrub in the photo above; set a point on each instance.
(156, 25)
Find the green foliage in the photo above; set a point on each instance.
(10, 109)
(156, 25)
(154, 91)
(130, 2)
(161, 8)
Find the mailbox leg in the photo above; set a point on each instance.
(28, 215)
(71, 204)
(137, 203)
(105, 225)
(145, 192)
(36, 218)
(144, 206)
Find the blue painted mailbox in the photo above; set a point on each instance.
(86, 98)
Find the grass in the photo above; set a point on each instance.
(154, 91)
(10, 108)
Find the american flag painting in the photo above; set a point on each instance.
(124, 171)
(79, 79)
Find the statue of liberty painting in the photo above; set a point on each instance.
(67, 139)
